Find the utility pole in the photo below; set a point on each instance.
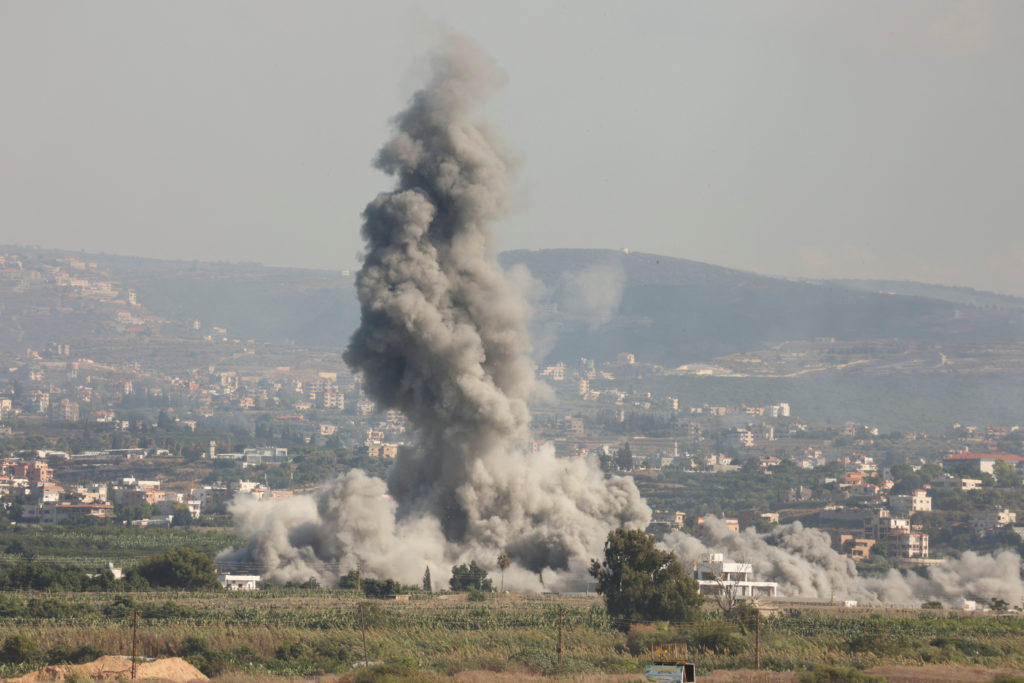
(757, 638)
(362, 623)
(135, 641)
(559, 637)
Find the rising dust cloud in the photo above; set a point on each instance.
(443, 339)
(802, 561)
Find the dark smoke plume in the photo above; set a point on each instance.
(443, 339)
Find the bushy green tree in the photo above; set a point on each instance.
(465, 577)
(350, 580)
(1005, 473)
(639, 582)
(179, 568)
(182, 516)
(380, 587)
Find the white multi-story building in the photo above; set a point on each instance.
(911, 544)
(906, 504)
(715, 576)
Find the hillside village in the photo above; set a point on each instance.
(112, 414)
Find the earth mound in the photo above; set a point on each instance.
(111, 668)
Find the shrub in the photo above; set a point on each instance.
(73, 655)
(718, 636)
(642, 637)
(197, 653)
(536, 659)
(969, 646)
(291, 651)
(168, 609)
(49, 608)
(120, 607)
(77, 677)
(19, 649)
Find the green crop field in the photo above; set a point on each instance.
(93, 546)
(297, 632)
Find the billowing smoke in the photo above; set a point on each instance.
(592, 294)
(585, 299)
(804, 564)
(443, 339)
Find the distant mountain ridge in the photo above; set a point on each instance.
(588, 302)
(674, 311)
(959, 295)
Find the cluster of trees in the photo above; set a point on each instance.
(371, 587)
(181, 568)
(621, 460)
(465, 578)
(470, 577)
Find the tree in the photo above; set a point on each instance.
(908, 484)
(503, 564)
(181, 515)
(472, 576)
(380, 587)
(1005, 473)
(641, 582)
(350, 580)
(624, 458)
(426, 581)
(179, 568)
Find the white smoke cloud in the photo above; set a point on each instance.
(804, 564)
(443, 339)
(593, 294)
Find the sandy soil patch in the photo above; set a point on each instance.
(110, 668)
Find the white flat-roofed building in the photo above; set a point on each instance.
(715, 575)
(909, 503)
(239, 582)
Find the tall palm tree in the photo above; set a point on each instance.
(503, 564)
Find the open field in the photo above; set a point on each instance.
(312, 632)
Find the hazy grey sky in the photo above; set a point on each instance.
(849, 139)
